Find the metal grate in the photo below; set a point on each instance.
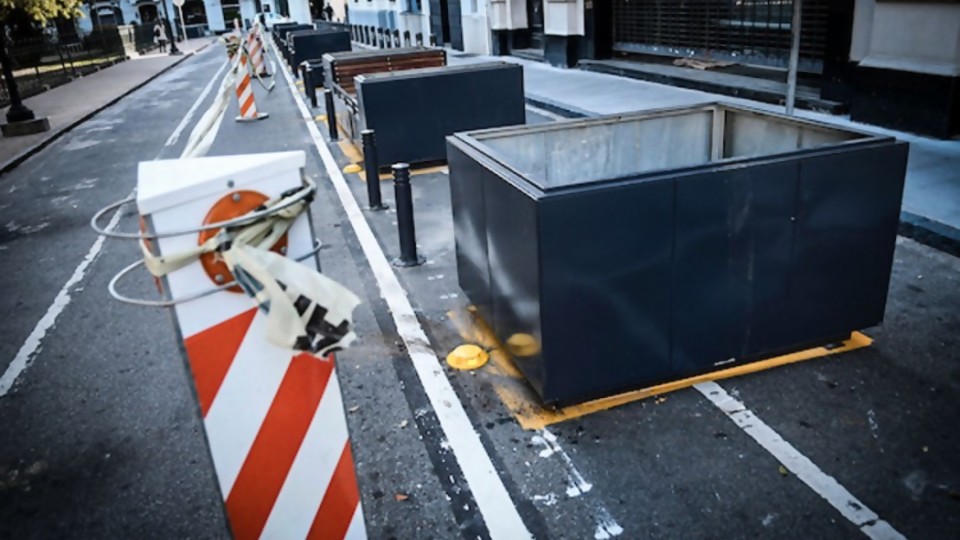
(746, 31)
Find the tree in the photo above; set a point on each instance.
(26, 11)
(40, 10)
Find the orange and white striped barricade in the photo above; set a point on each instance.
(255, 45)
(245, 98)
(273, 417)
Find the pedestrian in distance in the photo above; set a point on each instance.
(329, 11)
(160, 37)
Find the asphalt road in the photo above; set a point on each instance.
(101, 437)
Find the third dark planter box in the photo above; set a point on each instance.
(614, 253)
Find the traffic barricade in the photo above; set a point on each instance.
(615, 253)
(231, 244)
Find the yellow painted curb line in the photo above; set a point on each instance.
(523, 402)
(354, 155)
(320, 118)
(352, 168)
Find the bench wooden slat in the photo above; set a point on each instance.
(344, 70)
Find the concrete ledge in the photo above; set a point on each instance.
(28, 127)
(562, 109)
(931, 233)
(726, 84)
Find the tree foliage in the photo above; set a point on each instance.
(39, 10)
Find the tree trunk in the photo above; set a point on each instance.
(18, 111)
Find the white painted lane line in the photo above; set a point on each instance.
(798, 464)
(31, 346)
(500, 514)
(606, 526)
(34, 341)
(196, 104)
(576, 484)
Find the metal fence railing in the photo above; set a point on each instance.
(42, 63)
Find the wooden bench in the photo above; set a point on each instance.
(341, 69)
(344, 67)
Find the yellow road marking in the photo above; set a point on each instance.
(523, 403)
(354, 155)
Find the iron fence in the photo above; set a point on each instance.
(42, 63)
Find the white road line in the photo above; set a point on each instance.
(31, 346)
(196, 104)
(576, 484)
(606, 526)
(34, 341)
(798, 464)
(500, 514)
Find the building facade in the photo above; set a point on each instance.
(893, 63)
(200, 16)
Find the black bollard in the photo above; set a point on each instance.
(309, 87)
(403, 196)
(371, 166)
(331, 114)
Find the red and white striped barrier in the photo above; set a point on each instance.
(255, 45)
(274, 418)
(245, 99)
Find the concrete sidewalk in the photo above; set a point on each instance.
(68, 105)
(931, 199)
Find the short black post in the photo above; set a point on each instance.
(371, 166)
(310, 86)
(331, 114)
(403, 195)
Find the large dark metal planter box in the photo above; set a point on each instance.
(313, 44)
(613, 253)
(413, 111)
(281, 31)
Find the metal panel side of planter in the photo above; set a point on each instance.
(605, 294)
(849, 210)
(732, 263)
(513, 253)
(496, 234)
(469, 222)
(285, 30)
(412, 111)
(313, 45)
